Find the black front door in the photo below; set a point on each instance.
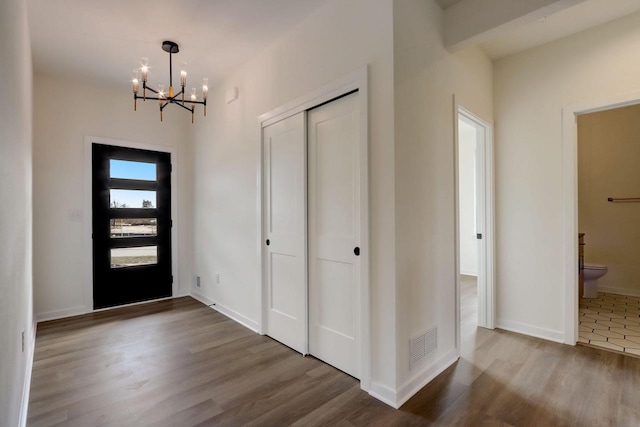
(131, 225)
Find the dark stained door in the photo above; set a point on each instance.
(131, 225)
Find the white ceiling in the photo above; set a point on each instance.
(580, 17)
(105, 39)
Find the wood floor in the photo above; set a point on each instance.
(180, 363)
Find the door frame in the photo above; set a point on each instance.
(88, 209)
(485, 220)
(357, 80)
(570, 115)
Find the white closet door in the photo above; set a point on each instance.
(334, 233)
(285, 221)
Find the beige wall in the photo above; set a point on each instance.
(426, 77)
(531, 88)
(16, 294)
(72, 110)
(608, 156)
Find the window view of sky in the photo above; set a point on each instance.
(132, 198)
(132, 170)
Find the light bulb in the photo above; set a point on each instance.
(160, 93)
(193, 94)
(183, 75)
(205, 88)
(135, 80)
(144, 68)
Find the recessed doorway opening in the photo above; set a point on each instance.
(474, 225)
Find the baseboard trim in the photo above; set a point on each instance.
(61, 314)
(534, 331)
(78, 311)
(231, 314)
(26, 388)
(620, 291)
(383, 394)
(423, 378)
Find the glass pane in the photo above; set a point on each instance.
(132, 170)
(126, 257)
(134, 227)
(132, 199)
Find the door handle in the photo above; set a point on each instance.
(356, 251)
(268, 242)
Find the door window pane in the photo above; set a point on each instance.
(122, 199)
(127, 257)
(124, 169)
(133, 227)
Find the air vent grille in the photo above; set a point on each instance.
(422, 346)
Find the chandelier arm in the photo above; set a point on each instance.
(151, 89)
(182, 106)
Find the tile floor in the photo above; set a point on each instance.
(611, 321)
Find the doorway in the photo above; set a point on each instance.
(131, 225)
(474, 245)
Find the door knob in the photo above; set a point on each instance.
(357, 251)
(268, 242)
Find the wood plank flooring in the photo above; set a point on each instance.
(180, 363)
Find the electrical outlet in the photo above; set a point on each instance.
(197, 281)
(218, 278)
(23, 341)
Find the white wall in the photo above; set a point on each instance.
(467, 140)
(531, 88)
(16, 295)
(426, 77)
(339, 38)
(70, 111)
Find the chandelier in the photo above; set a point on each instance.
(166, 98)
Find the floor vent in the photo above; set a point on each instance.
(422, 346)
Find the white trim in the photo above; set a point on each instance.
(486, 225)
(468, 273)
(357, 80)
(413, 385)
(61, 314)
(226, 311)
(570, 200)
(383, 394)
(88, 209)
(534, 331)
(620, 291)
(26, 388)
(81, 310)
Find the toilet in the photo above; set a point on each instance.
(592, 272)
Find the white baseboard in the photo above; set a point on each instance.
(534, 331)
(397, 398)
(60, 314)
(620, 291)
(231, 314)
(412, 386)
(77, 311)
(26, 388)
(383, 394)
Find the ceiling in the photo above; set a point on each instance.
(580, 17)
(105, 39)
